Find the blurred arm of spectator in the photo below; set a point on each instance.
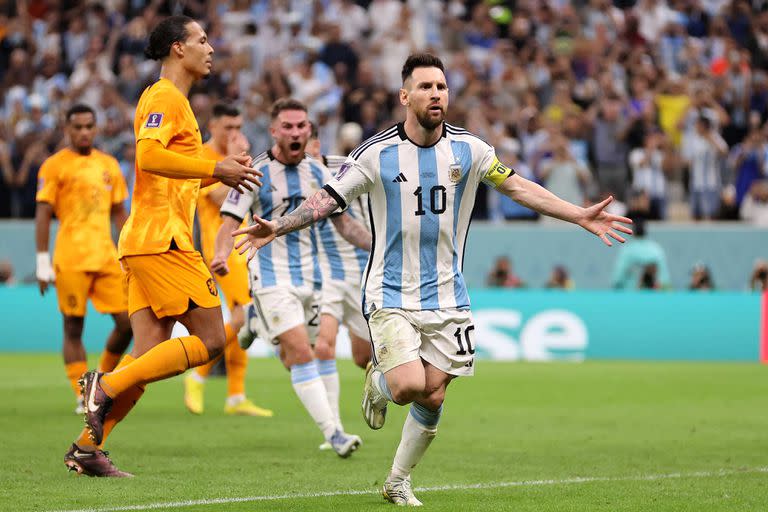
(34, 156)
(6, 166)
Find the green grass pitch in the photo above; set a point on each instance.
(597, 436)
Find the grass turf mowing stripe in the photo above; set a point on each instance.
(452, 487)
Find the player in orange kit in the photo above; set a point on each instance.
(226, 138)
(85, 189)
(168, 280)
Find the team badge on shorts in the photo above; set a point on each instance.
(455, 173)
(212, 287)
(154, 120)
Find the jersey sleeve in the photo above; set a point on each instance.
(160, 120)
(47, 183)
(119, 187)
(237, 205)
(353, 178)
(490, 170)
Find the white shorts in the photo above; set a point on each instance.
(343, 301)
(442, 337)
(280, 309)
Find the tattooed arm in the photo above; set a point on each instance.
(353, 231)
(318, 207)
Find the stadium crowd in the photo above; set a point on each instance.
(661, 103)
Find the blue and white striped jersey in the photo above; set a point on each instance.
(291, 260)
(340, 260)
(420, 201)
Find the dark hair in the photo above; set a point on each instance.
(79, 108)
(286, 104)
(222, 110)
(420, 60)
(171, 30)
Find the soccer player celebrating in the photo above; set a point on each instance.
(226, 138)
(168, 280)
(285, 279)
(342, 265)
(85, 189)
(422, 177)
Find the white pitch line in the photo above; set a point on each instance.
(452, 487)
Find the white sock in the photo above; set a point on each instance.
(311, 391)
(197, 377)
(330, 376)
(419, 430)
(235, 399)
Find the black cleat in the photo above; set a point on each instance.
(97, 405)
(92, 463)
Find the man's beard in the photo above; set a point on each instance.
(428, 122)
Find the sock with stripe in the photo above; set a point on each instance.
(311, 391)
(74, 371)
(166, 359)
(330, 378)
(419, 430)
(120, 408)
(108, 361)
(201, 372)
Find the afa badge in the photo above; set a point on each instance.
(455, 173)
(342, 171)
(154, 120)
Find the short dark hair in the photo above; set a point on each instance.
(286, 104)
(79, 108)
(171, 30)
(224, 110)
(420, 60)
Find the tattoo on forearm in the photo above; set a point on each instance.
(318, 207)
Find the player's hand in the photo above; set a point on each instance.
(257, 235)
(44, 271)
(234, 171)
(219, 265)
(603, 224)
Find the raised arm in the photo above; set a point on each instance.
(353, 231)
(594, 219)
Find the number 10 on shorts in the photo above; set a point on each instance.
(462, 350)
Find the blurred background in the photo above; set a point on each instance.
(661, 104)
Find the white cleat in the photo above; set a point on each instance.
(344, 444)
(247, 332)
(374, 403)
(400, 493)
(80, 409)
(325, 447)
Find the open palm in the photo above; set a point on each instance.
(257, 235)
(603, 224)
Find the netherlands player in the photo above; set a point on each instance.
(85, 189)
(286, 278)
(342, 266)
(168, 280)
(421, 176)
(226, 139)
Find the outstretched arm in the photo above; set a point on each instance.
(594, 219)
(318, 207)
(353, 231)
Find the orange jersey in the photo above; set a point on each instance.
(82, 190)
(163, 209)
(208, 211)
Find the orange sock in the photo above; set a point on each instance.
(205, 369)
(74, 371)
(169, 358)
(237, 362)
(83, 440)
(108, 361)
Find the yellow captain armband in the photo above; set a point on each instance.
(497, 173)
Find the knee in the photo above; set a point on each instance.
(433, 400)
(323, 349)
(73, 330)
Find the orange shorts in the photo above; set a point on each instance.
(105, 288)
(169, 283)
(235, 285)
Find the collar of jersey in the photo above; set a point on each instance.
(403, 136)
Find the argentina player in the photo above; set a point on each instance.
(286, 278)
(422, 177)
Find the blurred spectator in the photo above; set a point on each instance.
(502, 275)
(502, 207)
(559, 279)
(563, 175)
(758, 281)
(647, 164)
(6, 273)
(641, 263)
(754, 207)
(609, 148)
(701, 278)
(703, 151)
(747, 163)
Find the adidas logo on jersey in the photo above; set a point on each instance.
(400, 178)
